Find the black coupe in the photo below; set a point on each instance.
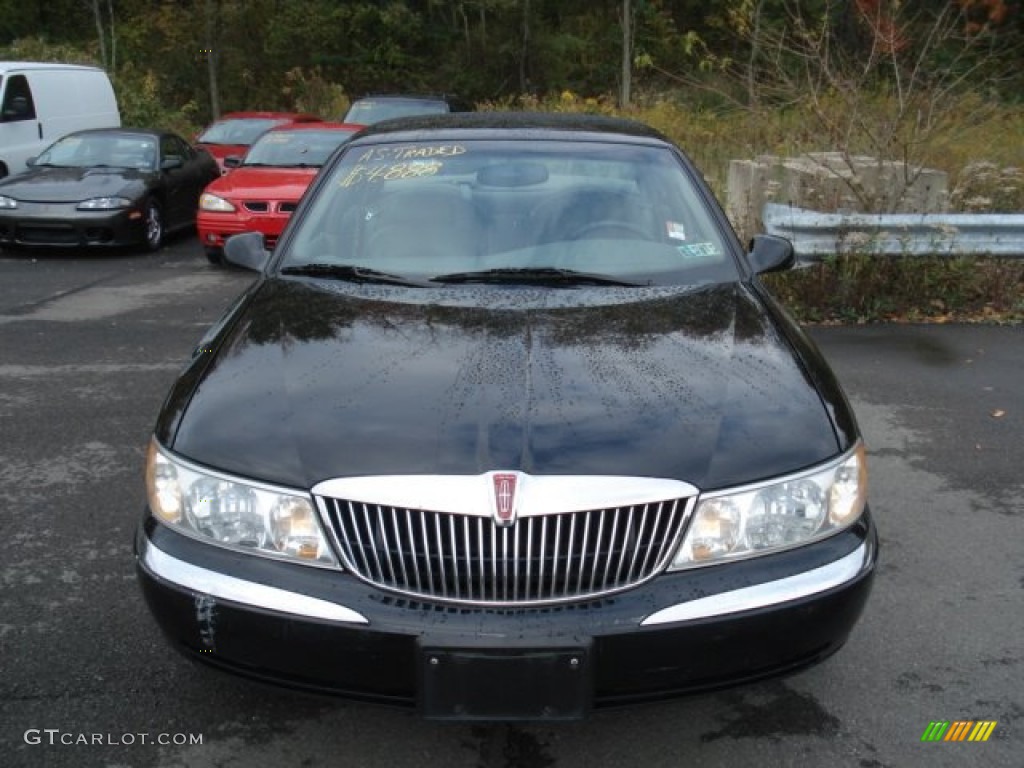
(111, 186)
(507, 427)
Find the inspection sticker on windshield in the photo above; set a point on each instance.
(675, 230)
(700, 250)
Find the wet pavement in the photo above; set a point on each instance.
(90, 346)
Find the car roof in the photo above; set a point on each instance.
(500, 124)
(323, 125)
(6, 66)
(265, 115)
(446, 97)
(453, 102)
(150, 133)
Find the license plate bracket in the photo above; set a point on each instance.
(505, 684)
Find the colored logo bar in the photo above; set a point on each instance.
(958, 730)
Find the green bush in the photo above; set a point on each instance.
(858, 288)
(138, 96)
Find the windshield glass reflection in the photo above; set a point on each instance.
(449, 207)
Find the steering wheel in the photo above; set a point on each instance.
(611, 228)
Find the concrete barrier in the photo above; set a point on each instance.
(832, 182)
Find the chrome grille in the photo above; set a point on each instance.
(539, 559)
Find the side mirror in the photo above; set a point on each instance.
(770, 253)
(171, 162)
(247, 250)
(30, 161)
(232, 161)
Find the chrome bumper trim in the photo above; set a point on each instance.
(474, 495)
(208, 582)
(770, 593)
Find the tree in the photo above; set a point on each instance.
(627, 55)
(211, 18)
(869, 76)
(105, 34)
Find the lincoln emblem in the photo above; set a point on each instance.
(504, 499)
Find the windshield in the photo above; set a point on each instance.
(241, 131)
(101, 149)
(296, 148)
(439, 210)
(369, 111)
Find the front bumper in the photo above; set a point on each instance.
(325, 631)
(215, 228)
(63, 225)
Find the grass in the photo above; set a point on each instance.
(856, 288)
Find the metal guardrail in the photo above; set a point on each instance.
(818, 235)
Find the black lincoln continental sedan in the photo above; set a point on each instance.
(507, 427)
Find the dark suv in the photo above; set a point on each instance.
(373, 109)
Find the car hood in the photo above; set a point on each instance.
(303, 383)
(260, 183)
(71, 185)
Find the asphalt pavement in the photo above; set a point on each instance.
(90, 343)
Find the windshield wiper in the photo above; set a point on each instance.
(352, 273)
(548, 275)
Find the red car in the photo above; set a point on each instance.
(264, 188)
(235, 132)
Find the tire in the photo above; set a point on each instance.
(215, 256)
(154, 226)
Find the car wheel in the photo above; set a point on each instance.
(154, 225)
(215, 255)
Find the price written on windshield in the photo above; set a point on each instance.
(390, 171)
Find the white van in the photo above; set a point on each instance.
(39, 103)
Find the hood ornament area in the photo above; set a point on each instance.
(504, 498)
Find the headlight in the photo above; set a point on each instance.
(104, 204)
(208, 202)
(234, 512)
(8, 202)
(768, 517)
